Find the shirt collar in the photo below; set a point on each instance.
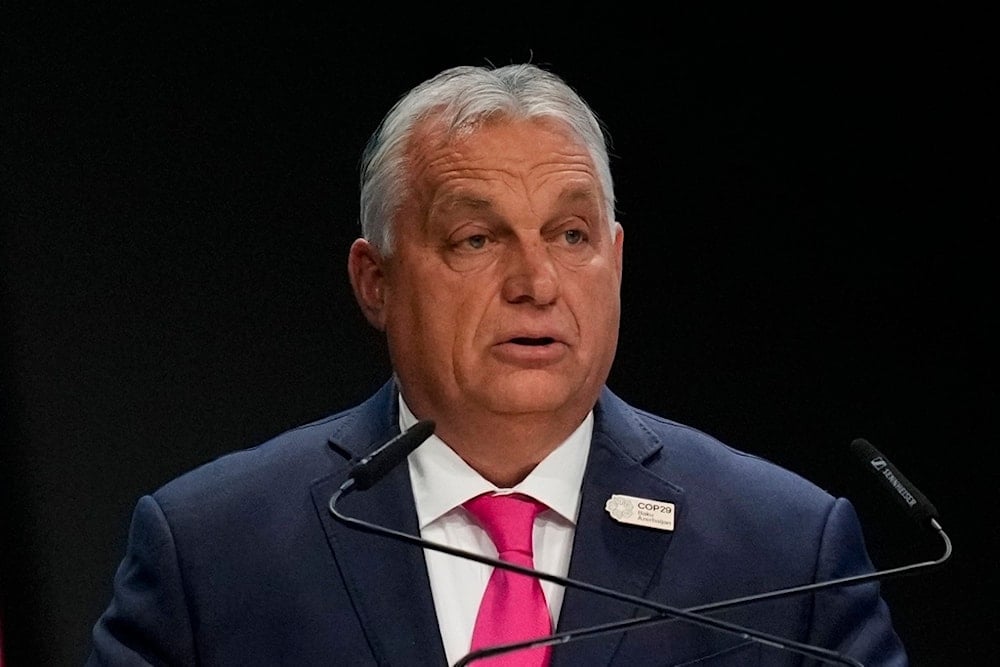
(442, 481)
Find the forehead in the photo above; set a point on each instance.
(503, 150)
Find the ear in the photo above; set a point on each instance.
(619, 244)
(365, 267)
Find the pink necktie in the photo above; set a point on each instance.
(513, 607)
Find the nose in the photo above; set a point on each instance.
(530, 274)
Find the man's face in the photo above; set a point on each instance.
(502, 293)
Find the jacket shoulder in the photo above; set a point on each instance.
(694, 460)
(292, 459)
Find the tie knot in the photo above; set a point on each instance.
(508, 519)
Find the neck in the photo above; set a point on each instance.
(504, 460)
(504, 449)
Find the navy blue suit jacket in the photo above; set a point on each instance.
(239, 561)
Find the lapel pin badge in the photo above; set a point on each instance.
(656, 514)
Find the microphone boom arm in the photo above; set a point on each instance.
(374, 466)
(666, 612)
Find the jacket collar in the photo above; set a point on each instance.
(607, 553)
(379, 571)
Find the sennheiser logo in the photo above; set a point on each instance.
(882, 466)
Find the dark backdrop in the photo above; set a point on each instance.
(808, 203)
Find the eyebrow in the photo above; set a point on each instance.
(462, 200)
(577, 194)
(474, 202)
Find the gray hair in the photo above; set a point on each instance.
(461, 98)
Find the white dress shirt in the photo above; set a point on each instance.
(442, 481)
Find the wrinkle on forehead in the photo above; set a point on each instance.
(457, 169)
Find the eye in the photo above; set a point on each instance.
(477, 242)
(574, 236)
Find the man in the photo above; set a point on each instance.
(492, 260)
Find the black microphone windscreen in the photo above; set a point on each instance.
(914, 502)
(374, 467)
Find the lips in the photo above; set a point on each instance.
(525, 340)
(530, 351)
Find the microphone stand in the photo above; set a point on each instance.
(374, 466)
(694, 616)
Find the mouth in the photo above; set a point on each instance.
(533, 342)
(531, 351)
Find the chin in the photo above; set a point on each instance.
(530, 395)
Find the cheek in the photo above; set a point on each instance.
(597, 305)
(439, 311)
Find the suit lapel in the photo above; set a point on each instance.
(613, 555)
(386, 579)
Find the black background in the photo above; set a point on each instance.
(809, 204)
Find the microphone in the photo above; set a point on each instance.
(381, 461)
(376, 465)
(916, 504)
